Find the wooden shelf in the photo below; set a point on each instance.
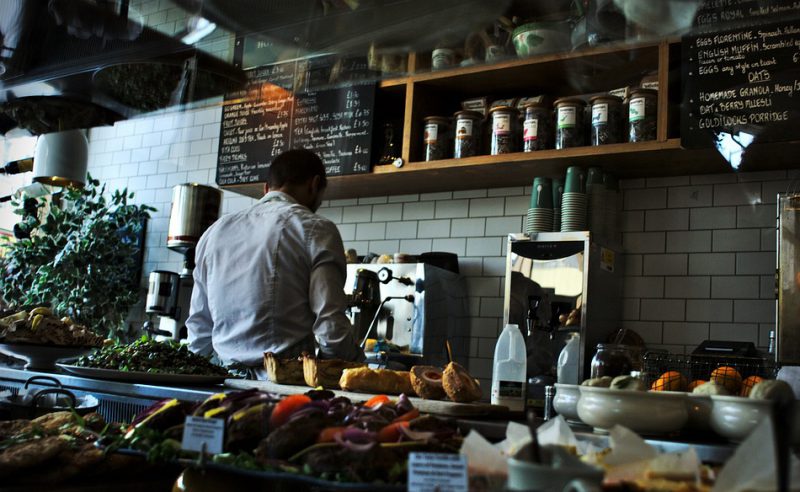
(646, 159)
(596, 69)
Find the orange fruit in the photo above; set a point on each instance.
(670, 381)
(748, 384)
(694, 384)
(728, 377)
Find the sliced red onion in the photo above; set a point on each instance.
(305, 412)
(352, 446)
(404, 404)
(358, 436)
(416, 435)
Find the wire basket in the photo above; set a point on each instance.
(678, 372)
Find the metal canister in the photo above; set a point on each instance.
(194, 208)
(504, 130)
(537, 129)
(569, 122)
(162, 293)
(642, 115)
(549, 396)
(606, 120)
(437, 131)
(467, 136)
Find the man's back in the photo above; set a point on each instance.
(267, 279)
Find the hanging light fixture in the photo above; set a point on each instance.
(61, 158)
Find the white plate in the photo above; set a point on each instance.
(42, 357)
(141, 377)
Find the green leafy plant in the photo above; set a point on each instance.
(80, 259)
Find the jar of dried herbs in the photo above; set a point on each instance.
(437, 133)
(537, 129)
(606, 120)
(467, 138)
(504, 129)
(569, 122)
(642, 115)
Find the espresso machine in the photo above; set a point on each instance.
(559, 283)
(411, 310)
(194, 208)
(785, 343)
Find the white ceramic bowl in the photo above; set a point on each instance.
(566, 400)
(735, 417)
(646, 412)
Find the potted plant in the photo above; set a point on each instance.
(82, 259)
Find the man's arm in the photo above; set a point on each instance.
(199, 322)
(326, 294)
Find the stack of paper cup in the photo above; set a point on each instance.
(596, 213)
(574, 201)
(540, 213)
(558, 191)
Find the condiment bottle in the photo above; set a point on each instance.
(467, 134)
(509, 370)
(569, 122)
(437, 130)
(642, 115)
(537, 132)
(504, 130)
(606, 120)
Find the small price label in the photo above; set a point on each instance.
(437, 472)
(198, 431)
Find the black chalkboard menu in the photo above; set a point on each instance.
(270, 116)
(742, 82)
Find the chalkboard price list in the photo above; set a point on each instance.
(268, 118)
(747, 80)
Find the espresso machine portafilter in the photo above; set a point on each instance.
(194, 208)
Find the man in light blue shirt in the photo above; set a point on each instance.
(271, 277)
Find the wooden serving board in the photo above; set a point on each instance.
(437, 407)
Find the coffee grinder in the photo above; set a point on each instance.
(194, 208)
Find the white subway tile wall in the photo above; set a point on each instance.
(700, 250)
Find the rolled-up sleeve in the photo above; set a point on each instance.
(327, 300)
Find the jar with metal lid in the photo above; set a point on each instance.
(611, 360)
(504, 130)
(436, 139)
(642, 115)
(467, 136)
(537, 131)
(606, 120)
(569, 122)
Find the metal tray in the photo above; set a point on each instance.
(42, 357)
(141, 377)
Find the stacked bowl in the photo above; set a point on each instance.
(540, 213)
(574, 201)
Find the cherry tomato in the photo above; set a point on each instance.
(392, 432)
(329, 433)
(377, 400)
(408, 416)
(285, 408)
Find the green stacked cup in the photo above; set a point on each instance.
(574, 200)
(540, 213)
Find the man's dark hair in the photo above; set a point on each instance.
(295, 166)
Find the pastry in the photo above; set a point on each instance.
(603, 382)
(459, 385)
(325, 372)
(284, 371)
(629, 383)
(366, 380)
(711, 388)
(427, 382)
(772, 389)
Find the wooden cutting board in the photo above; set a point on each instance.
(437, 407)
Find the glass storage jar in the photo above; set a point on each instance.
(642, 115)
(467, 138)
(504, 130)
(569, 122)
(606, 120)
(537, 132)
(437, 132)
(611, 360)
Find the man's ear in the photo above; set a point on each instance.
(315, 184)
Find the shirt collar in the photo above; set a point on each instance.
(274, 196)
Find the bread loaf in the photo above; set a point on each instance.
(366, 380)
(283, 371)
(325, 372)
